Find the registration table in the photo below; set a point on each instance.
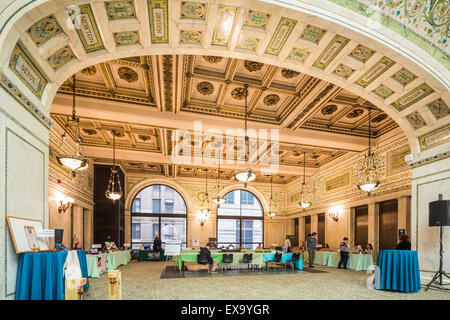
(117, 258)
(191, 256)
(40, 275)
(99, 263)
(357, 262)
(285, 258)
(96, 264)
(397, 270)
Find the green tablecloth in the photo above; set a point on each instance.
(147, 255)
(356, 262)
(92, 266)
(257, 258)
(118, 258)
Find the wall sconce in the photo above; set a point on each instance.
(203, 216)
(333, 213)
(65, 204)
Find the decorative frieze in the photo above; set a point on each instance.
(280, 36)
(86, 27)
(331, 51)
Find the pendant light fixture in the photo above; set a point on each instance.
(114, 191)
(218, 199)
(249, 174)
(271, 213)
(206, 211)
(304, 195)
(75, 162)
(368, 171)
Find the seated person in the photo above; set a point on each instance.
(404, 244)
(369, 249)
(206, 252)
(259, 246)
(357, 248)
(325, 248)
(230, 247)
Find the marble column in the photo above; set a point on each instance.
(372, 228)
(127, 226)
(88, 229)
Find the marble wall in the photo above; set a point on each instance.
(428, 181)
(23, 181)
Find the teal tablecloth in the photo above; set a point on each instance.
(397, 270)
(40, 275)
(285, 257)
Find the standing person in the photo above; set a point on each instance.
(345, 249)
(404, 244)
(156, 246)
(287, 244)
(311, 246)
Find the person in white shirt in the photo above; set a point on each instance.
(287, 244)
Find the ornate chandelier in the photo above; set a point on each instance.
(76, 161)
(368, 172)
(249, 174)
(218, 199)
(304, 194)
(114, 190)
(271, 213)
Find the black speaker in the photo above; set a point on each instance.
(439, 213)
(59, 236)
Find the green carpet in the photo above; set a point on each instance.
(141, 280)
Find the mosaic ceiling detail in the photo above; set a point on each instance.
(85, 25)
(158, 13)
(44, 30)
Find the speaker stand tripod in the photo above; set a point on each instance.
(436, 282)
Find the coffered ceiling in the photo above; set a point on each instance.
(210, 88)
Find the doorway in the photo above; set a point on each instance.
(361, 225)
(388, 222)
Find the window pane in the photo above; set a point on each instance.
(231, 207)
(159, 199)
(252, 231)
(251, 207)
(228, 231)
(173, 229)
(148, 228)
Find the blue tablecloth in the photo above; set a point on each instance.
(285, 257)
(397, 270)
(40, 275)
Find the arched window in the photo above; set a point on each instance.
(157, 209)
(240, 220)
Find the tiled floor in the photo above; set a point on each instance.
(141, 280)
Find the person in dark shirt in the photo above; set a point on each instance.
(205, 252)
(156, 246)
(344, 249)
(311, 243)
(404, 244)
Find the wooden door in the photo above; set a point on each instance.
(307, 226)
(361, 225)
(388, 222)
(321, 229)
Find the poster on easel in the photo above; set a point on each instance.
(172, 248)
(25, 234)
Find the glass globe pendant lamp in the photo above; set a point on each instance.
(304, 196)
(114, 190)
(75, 162)
(249, 174)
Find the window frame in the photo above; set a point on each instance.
(159, 216)
(240, 218)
